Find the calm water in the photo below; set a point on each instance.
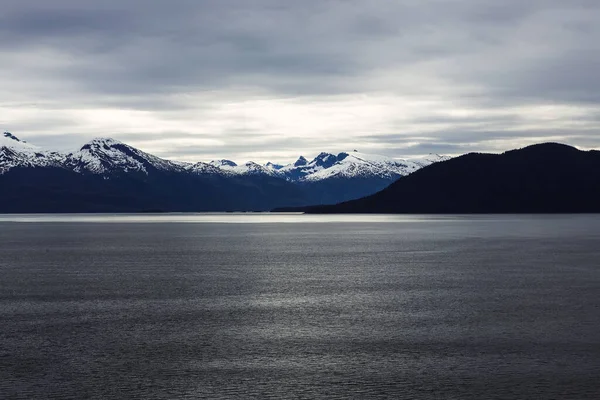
(272, 306)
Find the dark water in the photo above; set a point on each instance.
(488, 307)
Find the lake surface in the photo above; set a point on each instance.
(296, 306)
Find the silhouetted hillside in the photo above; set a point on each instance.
(544, 178)
(52, 189)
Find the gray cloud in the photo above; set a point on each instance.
(208, 66)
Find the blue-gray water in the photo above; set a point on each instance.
(272, 306)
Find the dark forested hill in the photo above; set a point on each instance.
(543, 178)
(52, 189)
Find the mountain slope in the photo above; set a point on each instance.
(55, 189)
(332, 178)
(108, 175)
(18, 153)
(355, 164)
(106, 156)
(544, 178)
(327, 165)
(353, 175)
(249, 168)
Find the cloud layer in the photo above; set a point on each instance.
(266, 79)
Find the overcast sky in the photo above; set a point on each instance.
(272, 79)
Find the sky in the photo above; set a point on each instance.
(269, 80)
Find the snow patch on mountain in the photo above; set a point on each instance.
(327, 165)
(18, 153)
(273, 167)
(105, 155)
(225, 164)
(202, 168)
(356, 164)
(249, 168)
(9, 140)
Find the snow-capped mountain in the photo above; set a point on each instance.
(99, 156)
(356, 164)
(223, 164)
(18, 153)
(273, 167)
(9, 140)
(249, 168)
(105, 174)
(105, 155)
(201, 168)
(326, 166)
(332, 178)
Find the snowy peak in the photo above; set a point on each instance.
(300, 162)
(10, 141)
(100, 156)
(356, 164)
(273, 167)
(201, 168)
(18, 153)
(106, 155)
(99, 144)
(223, 163)
(257, 169)
(433, 158)
(352, 164)
(249, 168)
(324, 160)
(252, 168)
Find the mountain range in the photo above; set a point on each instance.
(106, 175)
(543, 178)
